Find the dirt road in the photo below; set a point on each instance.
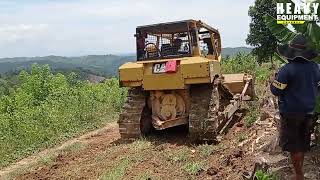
(102, 155)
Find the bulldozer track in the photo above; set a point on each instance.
(204, 111)
(129, 120)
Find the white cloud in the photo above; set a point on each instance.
(101, 27)
(14, 33)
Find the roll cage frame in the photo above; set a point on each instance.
(198, 39)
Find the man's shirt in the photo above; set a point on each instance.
(296, 85)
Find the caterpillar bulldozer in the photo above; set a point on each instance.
(177, 81)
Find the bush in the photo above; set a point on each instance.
(246, 63)
(45, 109)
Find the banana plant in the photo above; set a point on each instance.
(284, 34)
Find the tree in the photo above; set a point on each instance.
(260, 37)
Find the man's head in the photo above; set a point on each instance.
(177, 43)
(298, 47)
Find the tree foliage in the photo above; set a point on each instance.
(310, 30)
(46, 108)
(260, 37)
(246, 63)
(284, 34)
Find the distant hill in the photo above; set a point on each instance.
(101, 65)
(233, 51)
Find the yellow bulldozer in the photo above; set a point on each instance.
(177, 81)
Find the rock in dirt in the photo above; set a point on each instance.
(266, 160)
(247, 175)
(212, 171)
(226, 161)
(240, 124)
(238, 154)
(266, 114)
(272, 146)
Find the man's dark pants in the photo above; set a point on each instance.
(295, 132)
(295, 137)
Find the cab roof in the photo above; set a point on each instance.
(175, 26)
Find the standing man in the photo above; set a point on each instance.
(296, 87)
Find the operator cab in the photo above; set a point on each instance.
(177, 39)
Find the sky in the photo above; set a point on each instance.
(92, 27)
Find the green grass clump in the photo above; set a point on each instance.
(47, 159)
(261, 175)
(140, 144)
(74, 148)
(136, 153)
(253, 114)
(194, 168)
(182, 155)
(118, 171)
(44, 109)
(206, 150)
(242, 137)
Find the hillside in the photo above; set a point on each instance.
(103, 65)
(233, 51)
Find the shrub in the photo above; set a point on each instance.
(45, 109)
(253, 114)
(243, 63)
(246, 63)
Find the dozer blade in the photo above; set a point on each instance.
(211, 116)
(236, 85)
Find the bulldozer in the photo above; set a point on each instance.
(177, 81)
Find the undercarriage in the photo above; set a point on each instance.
(207, 109)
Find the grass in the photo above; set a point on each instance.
(100, 157)
(206, 150)
(242, 137)
(181, 155)
(140, 145)
(253, 114)
(261, 175)
(47, 159)
(120, 167)
(74, 148)
(194, 168)
(136, 153)
(181, 160)
(119, 170)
